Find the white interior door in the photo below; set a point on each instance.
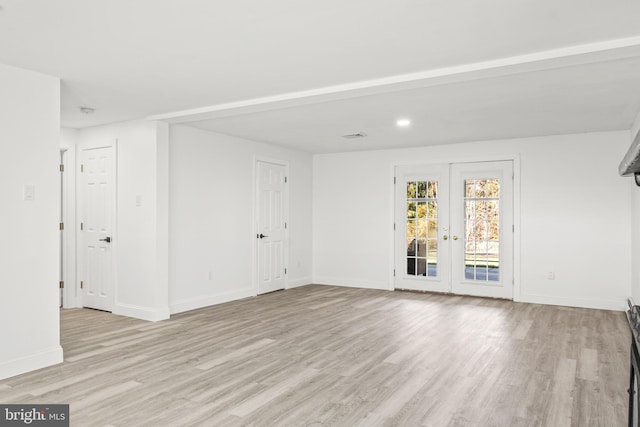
(97, 187)
(482, 229)
(454, 228)
(421, 227)
(271, 226)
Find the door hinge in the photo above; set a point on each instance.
(394, 225)
(81, 226)
(62, 284)
(81, 284)
(285, 225)
(394, 179)
(513, 228)
(285, 179)
(285, 271)
(81, 168)
(61, 168)
(61, 226)
(394, 272)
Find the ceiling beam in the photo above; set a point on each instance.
(551, 59)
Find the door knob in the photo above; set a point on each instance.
(106, 239)
(455, 237)
(445, 237)
(261, 236)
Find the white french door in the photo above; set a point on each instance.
(271, 225)
(96, 233)
(421, 228)
(454, 228)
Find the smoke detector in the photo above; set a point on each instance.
(355, 135)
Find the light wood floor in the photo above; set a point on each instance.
(326, 356)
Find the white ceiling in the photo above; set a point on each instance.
(300, 73)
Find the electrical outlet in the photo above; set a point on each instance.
(210, 275)
(551, 275)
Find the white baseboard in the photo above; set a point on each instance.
(207, 300)
(139, 312)
(351, 283)
(31, 362)
(599, 304)
(302, 281)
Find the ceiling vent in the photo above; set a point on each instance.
(355, 135)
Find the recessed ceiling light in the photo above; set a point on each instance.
(403, 122)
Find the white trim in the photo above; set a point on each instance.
(32, 362)
(139, 312)
(161, 300)
(545, 60)
(302, 281)
(70, 292)
(206, 301)
(351, 283)
(594, 303)
(71, 297)
(254, 228)
(517, 224)
(254, 231)
(392, 231)
(448, 159)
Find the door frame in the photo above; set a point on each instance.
(70, 297)
(254, 228)
(113, 143)
(63, 234)
(436, 160)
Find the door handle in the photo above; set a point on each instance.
(445, 237)
(106, 239)
(261, 236)
(455, 237)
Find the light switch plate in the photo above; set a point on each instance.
(28, 192)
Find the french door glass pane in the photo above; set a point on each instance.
(422, 228)
(482, 230)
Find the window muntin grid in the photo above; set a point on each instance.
(422, 228)
(482, 230)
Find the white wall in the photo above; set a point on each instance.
(141, 235)
(30, 132)
(68, 138)
(575, 215)
(211, 217)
